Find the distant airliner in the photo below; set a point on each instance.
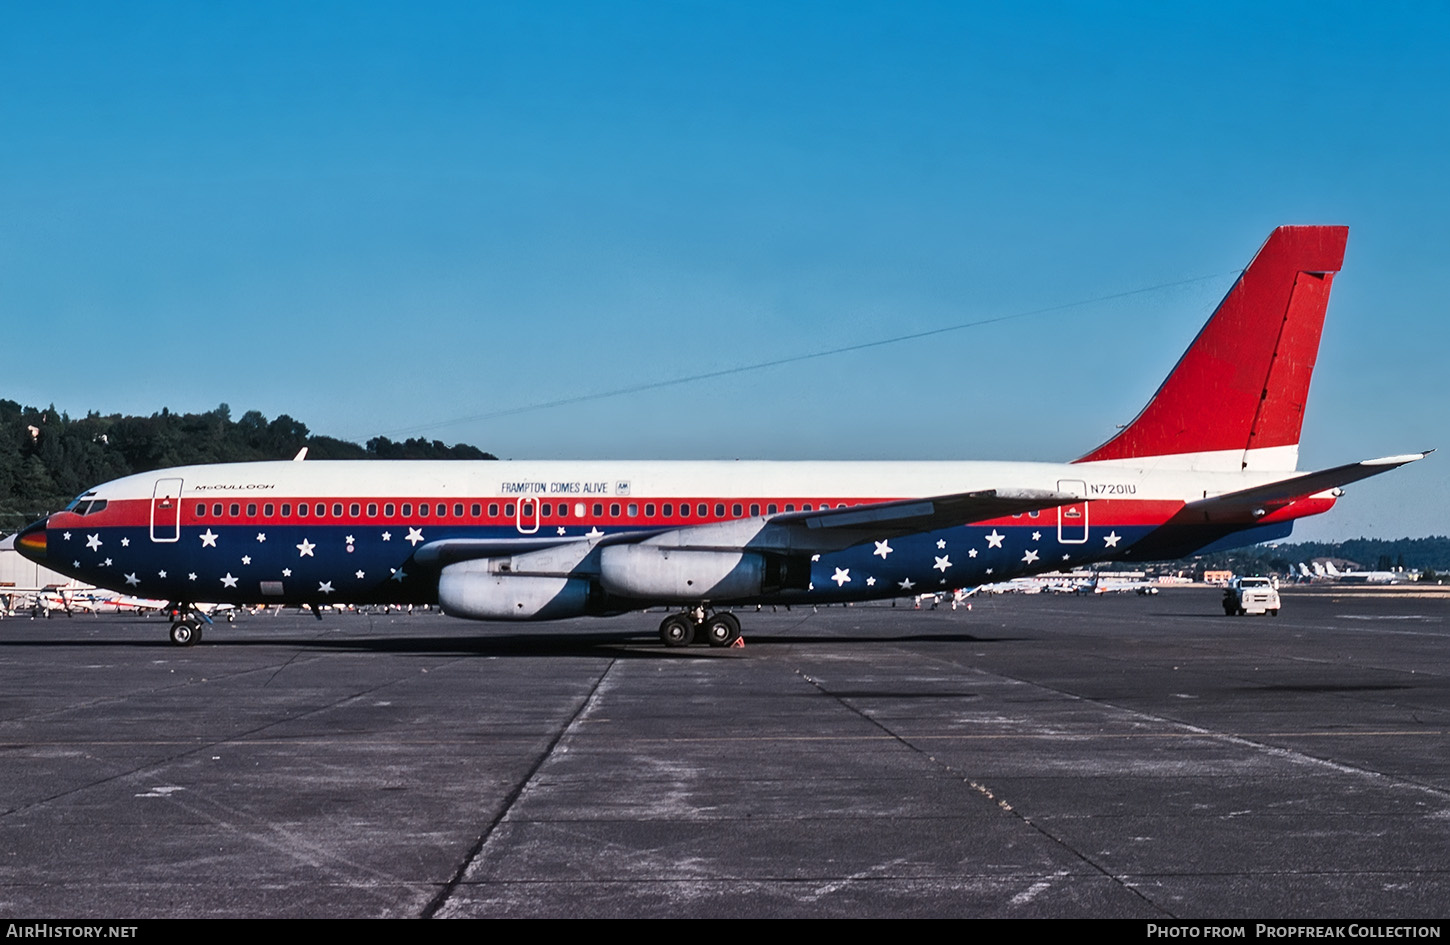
(1209, 463)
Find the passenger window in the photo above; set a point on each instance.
(251, 510)
(578, 509)
(372, 510)
(702, 510)
(633, 511)
(216, 510)
(320, 510)
(770, 509)
(200, 509)
(614, 510)
(508, 510)
(598, 509)
(790, 506)
(736, 510)
(422, 509)
(442, 510)
(668, 509)
(407, 510)
(649, 510)
(269, 509)
(719, 509)
(475, 510)
(806, 507)
(354, 510)
(389, 509)
(1033, 514)
(235, 510)
(546, 510)
(493, 510)
(301, 509)
(458, 510)
(286, 509)
(754, 509)
(563, 510)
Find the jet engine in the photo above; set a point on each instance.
(652, 572)
(472, 589)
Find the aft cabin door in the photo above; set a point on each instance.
(1072, 520)
(166, 510)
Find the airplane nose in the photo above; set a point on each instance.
(30, 542)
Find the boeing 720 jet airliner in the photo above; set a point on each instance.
(1209, 463)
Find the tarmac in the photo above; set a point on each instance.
(1035, 756)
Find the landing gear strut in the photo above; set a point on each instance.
(721, 628)
(186, 624)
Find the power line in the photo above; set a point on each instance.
(792, 359)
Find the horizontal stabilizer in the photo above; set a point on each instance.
(1298, 487)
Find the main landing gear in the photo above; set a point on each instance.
(186, 624)
(720, 628)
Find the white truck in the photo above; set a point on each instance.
(1251, 595)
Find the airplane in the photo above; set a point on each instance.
(1209, 463)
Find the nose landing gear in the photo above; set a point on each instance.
(186, 624)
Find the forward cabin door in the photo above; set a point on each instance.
(1072, 520)
(166, 510)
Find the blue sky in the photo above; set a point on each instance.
(387, 218)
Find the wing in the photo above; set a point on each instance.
(824, 530)
(813, 532)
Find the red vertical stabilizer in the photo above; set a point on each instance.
(1236, 398)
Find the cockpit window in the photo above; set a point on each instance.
(84, 506)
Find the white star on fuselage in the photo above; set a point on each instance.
(883, 548)
(942, 563)
(870, 582)
(941, 543)
(593, 532)
(415, 535)
(971, 552)
(286, 572)
(229, 581)
(324, 587)
(125, 542)
(994, 540)
(1030, 556)
(1112, 538)
(305, 549)
(561, 529)
(387, 536)
(261, 536)
(132, 580)
(1037, 536)
(246, 559)
(842, 576)
(94, 542)
(906, 584)
(208, 540)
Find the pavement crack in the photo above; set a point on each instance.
(990, 795)
(476, 850)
